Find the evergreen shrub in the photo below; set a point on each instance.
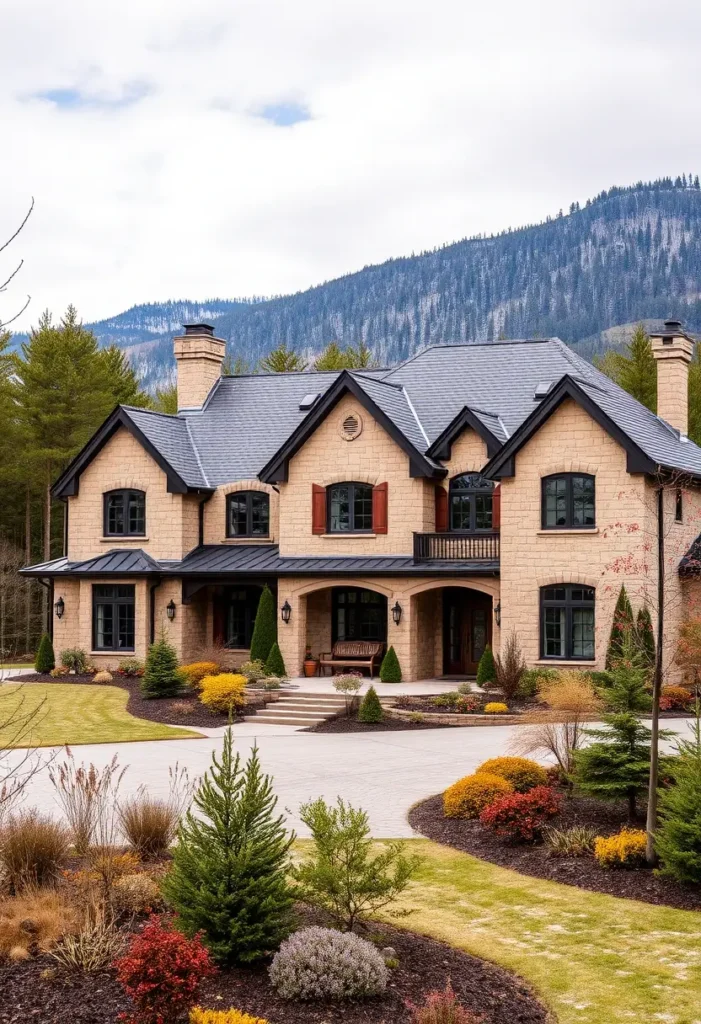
(621, 629)
(275, 665)
(265, 627)
(678, 835)
(75, 660)
(468, 797)
(390, 672)
(486, 669)
(370, 707)
(45, 660)
(161, 677)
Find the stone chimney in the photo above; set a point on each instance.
(199, 357)
(673, 350)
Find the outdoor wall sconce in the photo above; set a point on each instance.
(170, 610)
(59, 608)
(497, 612)
(397, 613)
(286, 611)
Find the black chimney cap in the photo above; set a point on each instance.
(199, 329)
(674, 325)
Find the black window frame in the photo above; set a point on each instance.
(480, 489)
(569, 604)
(569, 496)
(679, 506)
(126, 494)
(377, 602)
(248, 598)
(249, 496)
(352, 485)
(123, 596)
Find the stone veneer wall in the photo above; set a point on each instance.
(215, 514)
(171, 519)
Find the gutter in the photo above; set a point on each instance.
(152, 609)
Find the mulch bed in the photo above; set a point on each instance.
(350, 723)
(185, 709)
(424, 965)
(425, 706)
(472, 837)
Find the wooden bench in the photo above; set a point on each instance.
(352, 654)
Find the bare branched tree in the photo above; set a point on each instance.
(13, 274)
(18, 718)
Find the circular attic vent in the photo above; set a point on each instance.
(351, 426)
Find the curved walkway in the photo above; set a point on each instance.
(384, 772)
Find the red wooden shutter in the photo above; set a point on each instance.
(318, 509)
(496, 507)
(219, 621)
(379, 509)
(441, 510)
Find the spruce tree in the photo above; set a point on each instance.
(486, 669)
(370, 708)
(635, 370)
(616, 766)
(390, 672)
(122, 381)
(622, 626)
(229, 873)
(275, 665)
(161, 677)
(678, 835)
(645, 637)
(265, 627)
(282, 360)
(45, 661)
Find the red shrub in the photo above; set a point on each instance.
(521, 817)
(442, 1008)
(161, 972)
(675, 698)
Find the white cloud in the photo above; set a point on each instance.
(149, 133)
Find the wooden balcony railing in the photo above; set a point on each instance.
(456, 547)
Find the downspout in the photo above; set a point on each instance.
(651, 823)
(152, 609)
(49, 623)
(65, 527)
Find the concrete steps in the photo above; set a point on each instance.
(301, 709)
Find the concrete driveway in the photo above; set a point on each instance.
(385, 773)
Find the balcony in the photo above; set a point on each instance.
(456, 547)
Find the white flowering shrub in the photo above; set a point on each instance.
(321, 963)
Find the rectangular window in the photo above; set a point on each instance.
(349, 508)
(113, 617)
(568, 502)
(567, 622)
(679, 506)
(125, 514)
(358, 614)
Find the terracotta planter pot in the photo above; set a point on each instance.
(310, 667)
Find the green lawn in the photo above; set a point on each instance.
(593, 959)
(75, 714)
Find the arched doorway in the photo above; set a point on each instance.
(467, 629)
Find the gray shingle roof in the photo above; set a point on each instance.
(171, 436)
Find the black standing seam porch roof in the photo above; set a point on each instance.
(219, 561)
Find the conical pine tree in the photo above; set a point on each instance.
(275, 665)
(623, 623)
(45, 659)
(229, 873)
(486, 669)
(265, 627)
(161, 676)
(646, 637)
(678, 836)
(390, 672)
(370, 708)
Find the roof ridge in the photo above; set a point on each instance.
(416, 415)
(151, 412)
(197, 454)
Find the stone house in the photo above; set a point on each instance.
(471, 491)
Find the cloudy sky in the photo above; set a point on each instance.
(251, 147)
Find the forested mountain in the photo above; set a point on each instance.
(630, 254)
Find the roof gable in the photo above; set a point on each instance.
(465, 419)
(387, 406)
(503, 463)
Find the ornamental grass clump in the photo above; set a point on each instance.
(136, 894)
(33, 848)
(576, 841)
(519, 771)
(321, 963)
(224, 693)
(468, 797)
(624, 850)
(150, 824)
(85, 795)
(521, 817)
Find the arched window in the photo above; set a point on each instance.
(124, 513)
(568, 502)
(248, 514)
(470, 503)
(349, 508)
(567, 622)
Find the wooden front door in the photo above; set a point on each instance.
(467, 629)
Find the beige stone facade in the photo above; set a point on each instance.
(620, 549)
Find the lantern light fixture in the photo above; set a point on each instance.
(397, 613)
(59, 608)
(286, 612)
(497, 613)
(170, 609)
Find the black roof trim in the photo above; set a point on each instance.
(442, 446)
(67, 484)
(503, 464)
(275, 470)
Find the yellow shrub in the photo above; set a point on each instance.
(519, 771)
(495, 708)
(468, 797)
(232, 1016)
(224, 692)
(195, 672)
(624, 850)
